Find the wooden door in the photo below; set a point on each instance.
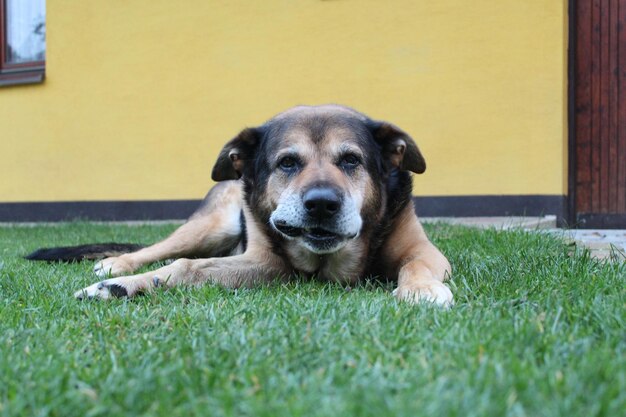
(598, 45)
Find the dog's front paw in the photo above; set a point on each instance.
(113, 267)
(432, 291)
(102, 290)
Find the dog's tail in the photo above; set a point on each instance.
(82, 252)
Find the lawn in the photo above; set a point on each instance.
(536, 331)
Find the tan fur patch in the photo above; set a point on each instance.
(408, 242)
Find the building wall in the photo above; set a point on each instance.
(141, 94)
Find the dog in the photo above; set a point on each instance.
(318, 191)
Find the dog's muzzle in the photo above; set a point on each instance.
(319, 217)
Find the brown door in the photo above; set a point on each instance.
(598, 92)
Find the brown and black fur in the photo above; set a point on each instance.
(321, 191)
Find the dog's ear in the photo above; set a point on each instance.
(235, 154)
(398, 147)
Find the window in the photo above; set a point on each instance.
(22, 41)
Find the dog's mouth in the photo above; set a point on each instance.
(316, 233)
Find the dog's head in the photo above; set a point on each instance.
(314, 174)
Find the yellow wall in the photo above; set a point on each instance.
(141, 94)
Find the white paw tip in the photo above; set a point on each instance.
(438, 294)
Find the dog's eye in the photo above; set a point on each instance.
(350, 160)
(288, 163)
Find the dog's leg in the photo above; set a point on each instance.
(244, 270)
(421, 267)
(257, 265)
(422, 275)
(197, 237)
(215, 228)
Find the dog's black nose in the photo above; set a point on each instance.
(321, 202)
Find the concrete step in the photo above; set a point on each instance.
(603, 244)
(510, 222)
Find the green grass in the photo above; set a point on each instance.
(534, 332)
